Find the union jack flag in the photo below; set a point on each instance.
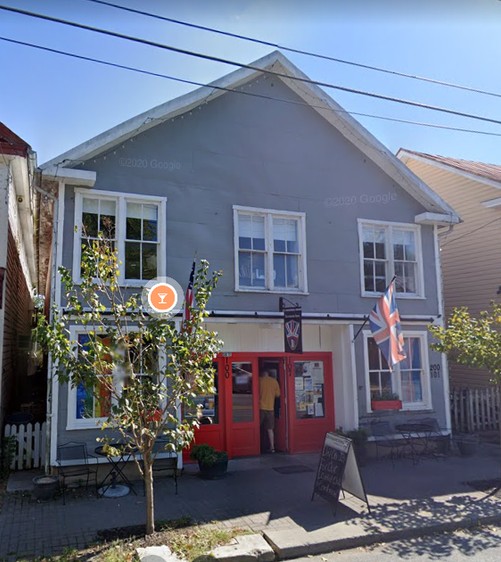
(384, 321)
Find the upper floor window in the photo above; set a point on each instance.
(269, 250)
(409, 378)
(134, 226)
(387, 250)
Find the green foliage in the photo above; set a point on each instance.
(471, 341)
(385, 395)
(7, 451)
(142, 369)
(358, 436)
(207, 455)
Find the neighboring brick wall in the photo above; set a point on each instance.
(17, 328)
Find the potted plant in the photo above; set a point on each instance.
(359, 439)
(212, 463)
(386, 400)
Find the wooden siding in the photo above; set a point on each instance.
(470, 252)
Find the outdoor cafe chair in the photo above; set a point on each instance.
(438, 443)
(165, 464)
(68, 455)
(382, 434)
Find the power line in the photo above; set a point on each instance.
(247, 66)
(242, 92)
(293, 50)
(470, 232)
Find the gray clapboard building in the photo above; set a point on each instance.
(276, 185)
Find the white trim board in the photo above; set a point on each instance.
(313, 95)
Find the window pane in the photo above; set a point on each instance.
(242, 392)
(244, 269)
(149, 261)
(292, 272)
(380, 284)
(368, 250)
(309, 389)
(258, 273)
(132, 260)
(279, 245)
(373, 352)
(150, 230)
(369, 276)
(285, 235)
(135, 210)
(244, 243)
(107, 226)
(380, 250)
(279, 270)
(133, 229)
(89, 224)
(258, 244)
(398, 251)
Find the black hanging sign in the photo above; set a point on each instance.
(338, 470)
(293, 330)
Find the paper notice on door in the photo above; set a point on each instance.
(319, 410)
(310, 409)
(299, 383)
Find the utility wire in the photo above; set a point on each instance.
(471, 232)
(242, 92)
(247, 66)
(293, 50)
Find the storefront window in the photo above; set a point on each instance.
(207, 405)
(309, 389)
(242, 395)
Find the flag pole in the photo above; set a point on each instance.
(366, 319)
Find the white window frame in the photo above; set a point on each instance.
(72, 422)
(396, 379)
(121, 199)
(268, 215)
(390, 271)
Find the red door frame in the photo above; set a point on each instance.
(243, 438)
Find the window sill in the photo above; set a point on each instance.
(94, 423)
(397, 295)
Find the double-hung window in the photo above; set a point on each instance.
(387, 250)
(409, 379)
(134, 225)
(269, 250)
(88, 406)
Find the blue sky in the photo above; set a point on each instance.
(55, 102)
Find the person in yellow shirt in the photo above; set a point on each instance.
(268, 391)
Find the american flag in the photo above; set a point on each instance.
(188, 299)
(385, 326)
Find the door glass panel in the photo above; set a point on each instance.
(207, 405)
(309, 389)
(242, 392)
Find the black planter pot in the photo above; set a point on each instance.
(45, 487)
(217, 470)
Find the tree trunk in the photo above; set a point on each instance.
(148, 487)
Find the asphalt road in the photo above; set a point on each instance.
(478, 544)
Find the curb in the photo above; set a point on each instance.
(300, 549)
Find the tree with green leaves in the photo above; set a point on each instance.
(141, 371)
(472, 341)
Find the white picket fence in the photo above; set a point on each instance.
(475, 409)
(31, 440)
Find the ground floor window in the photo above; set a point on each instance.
(409, 378)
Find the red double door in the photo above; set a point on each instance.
(304, 414)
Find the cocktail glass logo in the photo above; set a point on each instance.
(163, 297)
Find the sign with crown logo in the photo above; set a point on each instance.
(293, 330)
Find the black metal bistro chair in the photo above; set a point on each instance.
(382, 434)
(165, 464)
(75, 462)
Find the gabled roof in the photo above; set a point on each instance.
(11, 144)
(473, 170)
(310, 93)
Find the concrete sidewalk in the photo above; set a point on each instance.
(406, 501)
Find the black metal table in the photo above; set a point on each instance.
(417, 438)
(116, 483)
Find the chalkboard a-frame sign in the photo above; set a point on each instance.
(338, 470)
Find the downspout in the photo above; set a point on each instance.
(441, 321)
(49, 413)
